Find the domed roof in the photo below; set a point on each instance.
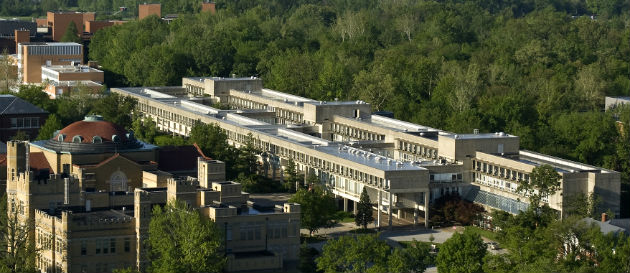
(93, 129)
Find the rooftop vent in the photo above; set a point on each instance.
(93, 118)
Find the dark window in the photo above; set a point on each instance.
(127, 244)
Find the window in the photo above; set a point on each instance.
(83, 248)
(112, 245)
(98, 251)
(29, 122)
(127, 244)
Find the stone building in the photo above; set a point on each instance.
(87, 193)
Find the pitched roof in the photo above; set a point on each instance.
(10, 104)
(38, 161)
(179, 158)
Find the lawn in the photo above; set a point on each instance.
(485, 233)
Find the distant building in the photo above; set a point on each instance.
(13, 32)
(612, 102)
(89, 190)
(32, 56)
(17, 115)
(145, 10)
(58, 22)
(404, 166)
(209, 7)
(62, 79)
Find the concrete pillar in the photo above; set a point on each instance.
(389, 210)
(378, 208)
(415, 217)
(354, 207)
(426, 209)
(345, 204)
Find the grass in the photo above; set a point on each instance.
(346, 217)
(313, 239)
(406, 244)
(485, 233)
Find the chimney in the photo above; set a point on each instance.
(21, 36)
(604, 217)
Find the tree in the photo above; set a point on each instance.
(35, 95)
(353, 254)
(116, 108)
(464, 252)
(51, 125)
(293, 179)
(21, 135)
(307, 259)
(544, 181)
(366, 253)
(8, 74)
(364, 210)
(72, 34)
(17, 249)
(182, 240)
(375, 87)
(144, 129)
(319, 208)
(247, 161)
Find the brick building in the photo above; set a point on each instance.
(32, 56)
(19, 115)
(145, 10)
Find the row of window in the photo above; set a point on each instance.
(355, 132)
(500, 171)
(29, 122)
(105, 246)
(424, 151)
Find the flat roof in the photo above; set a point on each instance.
(479, 136)
(202, 79)
(71, 69)
(368, 159)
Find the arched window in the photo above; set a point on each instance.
(97, 139)
(77, 139)
(61, 137)
(130, 135)
(118, 181)
(115, 138)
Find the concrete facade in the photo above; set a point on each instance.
(405, 166)
(32, 56)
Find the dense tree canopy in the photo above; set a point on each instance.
(182, 240)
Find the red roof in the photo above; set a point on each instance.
(88, 129)
(38, 161)
(179, 158)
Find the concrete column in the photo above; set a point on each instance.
(389, 211)
(378, 208)
(426, 208)
(345, 204)
(415, 217)
(354, 207)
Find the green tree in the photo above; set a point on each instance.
(293, 179)
(544, 182)
(414, 258)
(145, 128)
(307, 259)
(72, 34)
(464, 252)
(182, 240)
(116, 108)
(318, 207)
(354, 254)
(247, 161)
(21, 135)
(51, 125)
(8, 73)
(18, 251)
(35, 95)
(364, 210)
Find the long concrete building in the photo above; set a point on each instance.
(404, 166)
